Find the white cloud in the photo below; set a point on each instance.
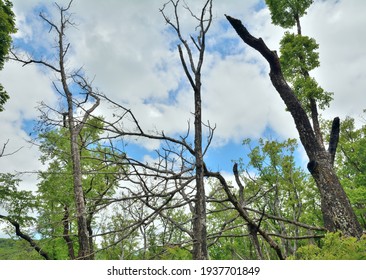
(127, 47)
(338, 27)
(27, 86)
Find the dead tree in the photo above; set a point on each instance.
(192, 71)
(74, 124)
(336, 208)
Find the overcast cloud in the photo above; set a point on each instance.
(131, 54)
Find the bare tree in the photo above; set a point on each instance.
(74, 123)
(192, 70)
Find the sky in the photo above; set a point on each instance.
(131, 55)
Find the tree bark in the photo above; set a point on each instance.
(199, 221)
(336, 208)
(66, 233)
(74, 129)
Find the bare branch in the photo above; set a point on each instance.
(25, 62)
(2, 153)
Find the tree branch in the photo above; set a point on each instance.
(298, 113)
(334, 139)
(26, 237)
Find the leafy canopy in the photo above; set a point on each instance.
(7, 27)
(285, 12)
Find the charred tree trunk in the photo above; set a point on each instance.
(336, 208)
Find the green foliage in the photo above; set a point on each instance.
(7, 27)
(298, 55)
(17, 203)
(227, 229)
(285, 12)
(306, 88)
(14, 249)
(298, 58)
(334, 247)
(176, 253)
(274, 183)
(56, 192)
(283, 185)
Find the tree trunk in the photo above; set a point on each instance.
(199, 220)
(336, 208)
(193, 74)
(83, 236)
(74, 129)
(66, 233)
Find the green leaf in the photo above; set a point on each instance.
(285, 12)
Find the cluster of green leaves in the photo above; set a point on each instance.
(279, 179)
(334, 247)
(7, 27)
(227, 232)
(158, 240)
(273, 183)
(298, 53)
(285, 12)
(283, 189)
(298, 58)
(18, 204)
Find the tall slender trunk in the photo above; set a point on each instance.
(199, 221)
(192, 71)
(74, 129)
(81, 215)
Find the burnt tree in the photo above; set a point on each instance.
(336, 208)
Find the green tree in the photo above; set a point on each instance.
(283, 190)
(227, 232)
(7, 27)
(287, 13)
(19, 205)
(276, 206)
(57, 217)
